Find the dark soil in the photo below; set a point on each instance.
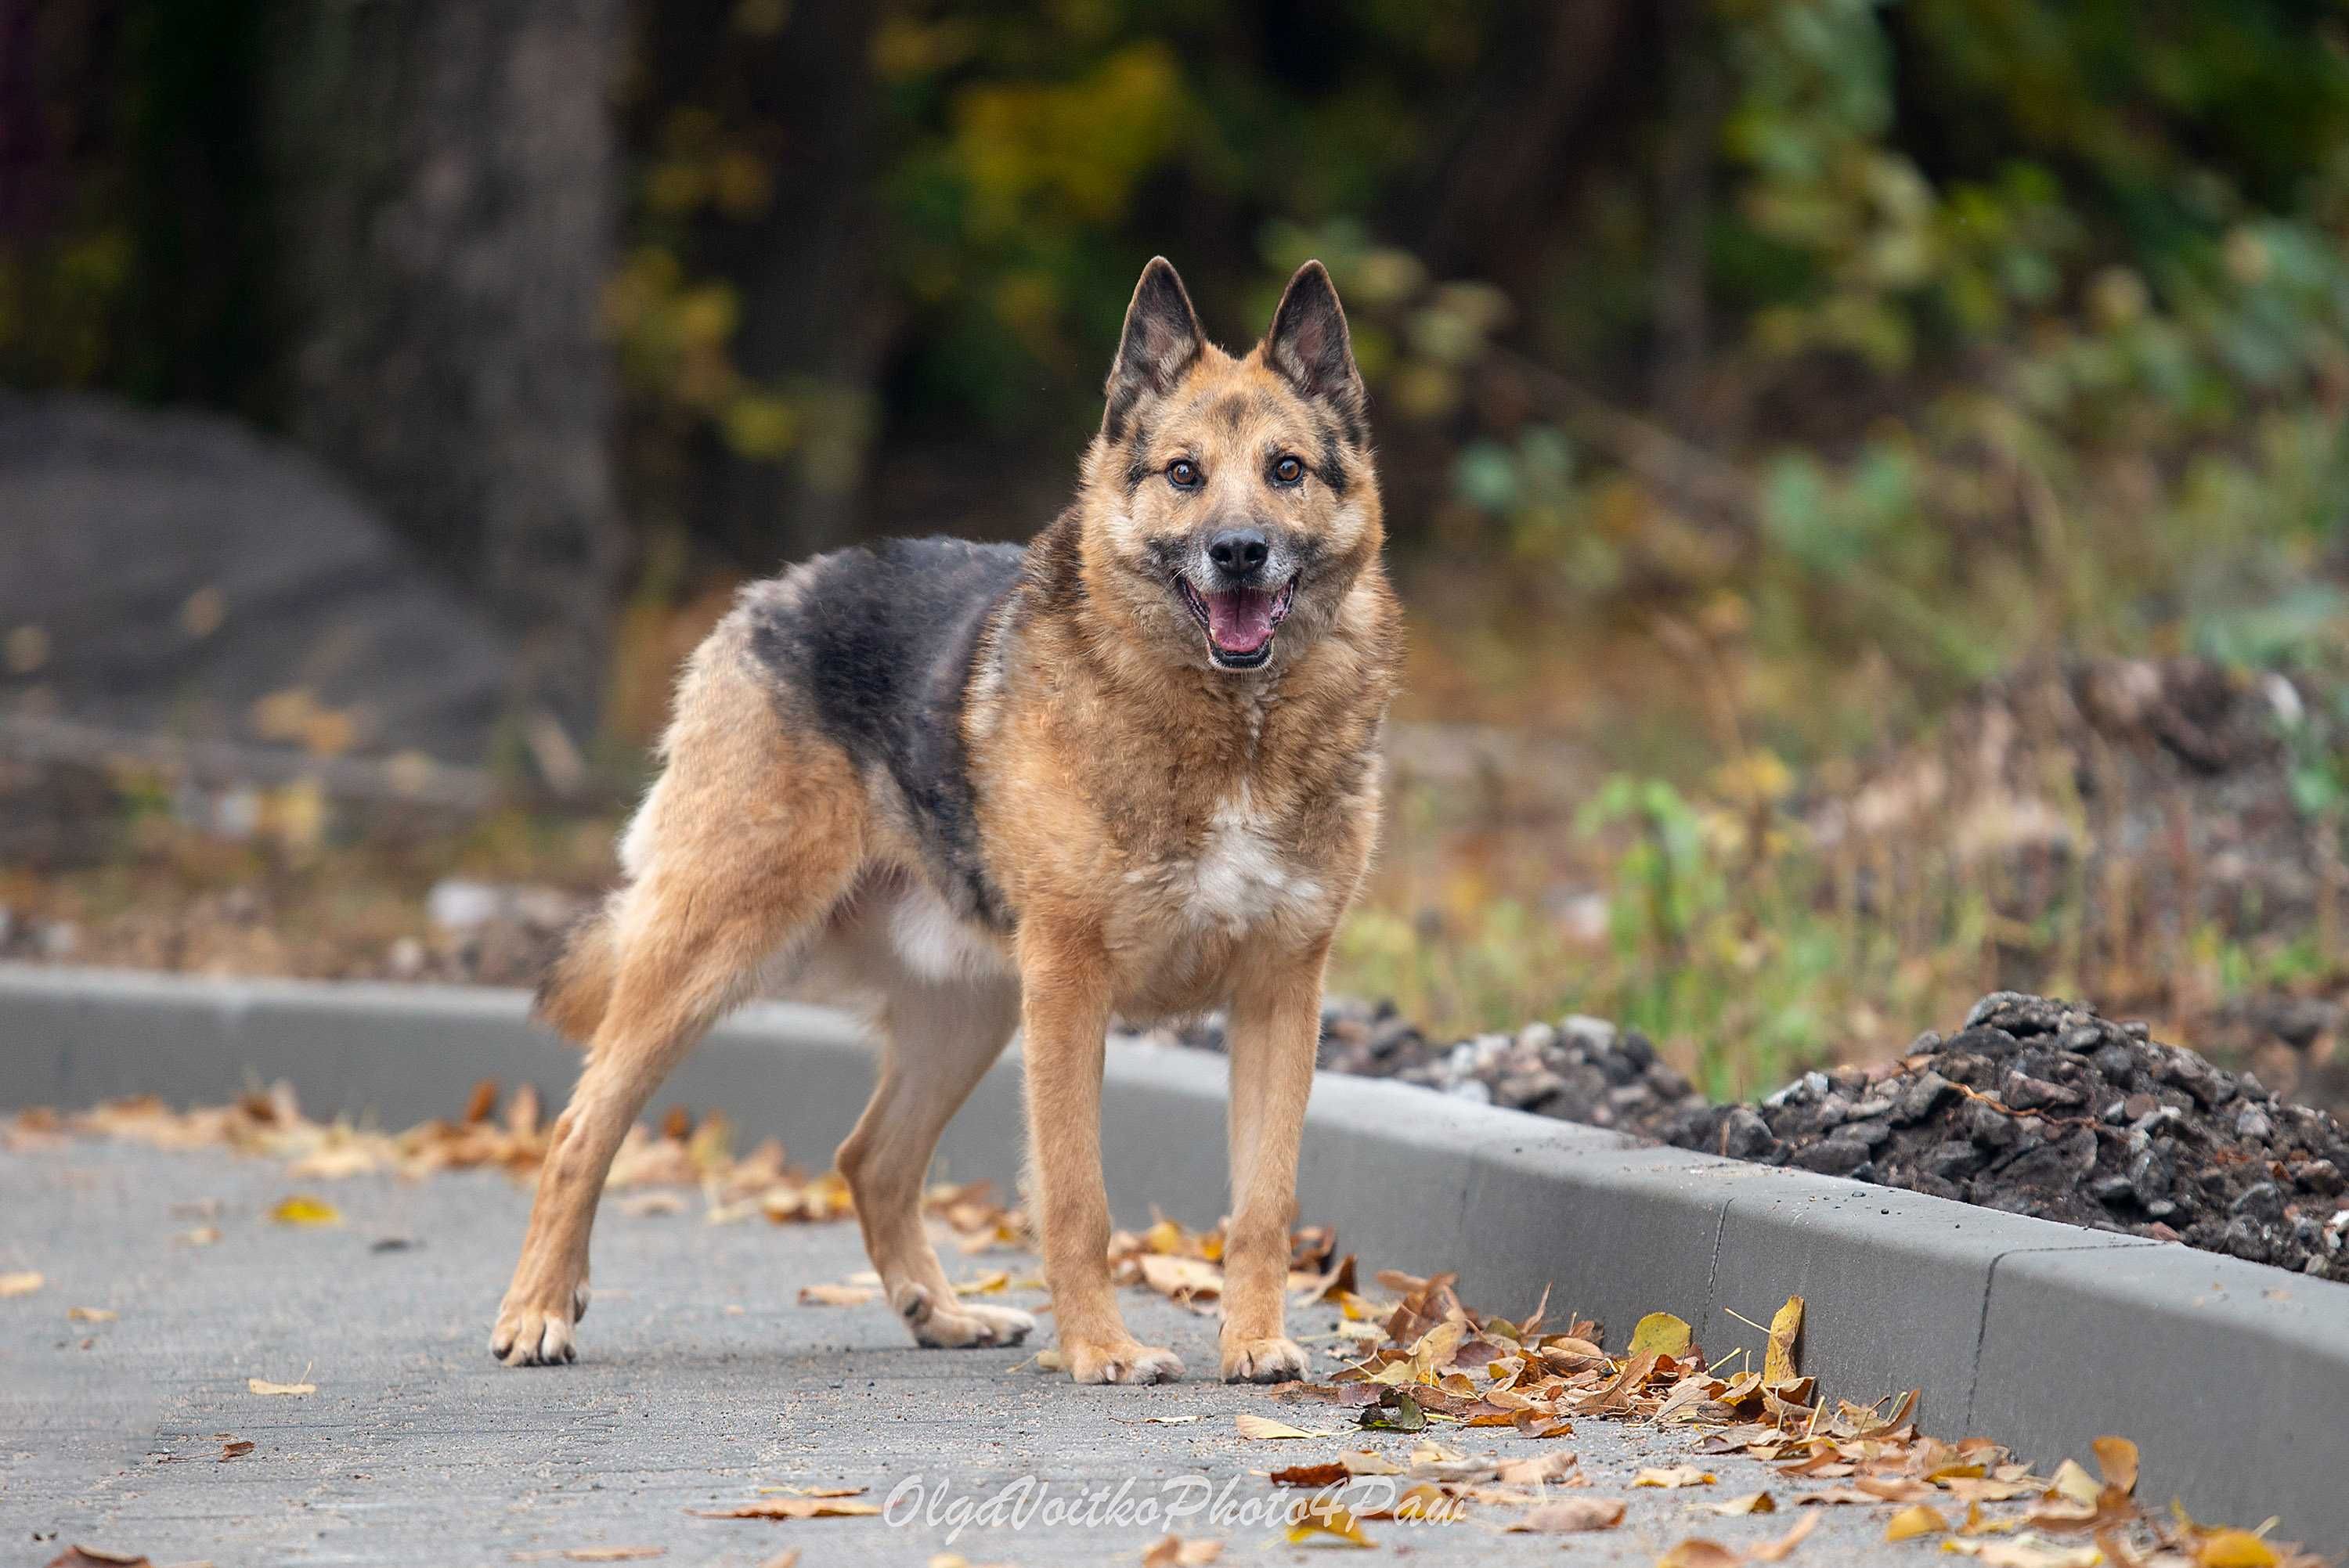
(2035, 1106)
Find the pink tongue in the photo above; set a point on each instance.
(1239, 619)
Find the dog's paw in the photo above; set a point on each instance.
(534, 1336)
(1263, 1361)
(1128, 1361)
(954, 1325)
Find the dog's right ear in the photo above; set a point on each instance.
(1162, 338)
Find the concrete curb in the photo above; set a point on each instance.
(2232, 1376)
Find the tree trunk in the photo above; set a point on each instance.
(449, 183)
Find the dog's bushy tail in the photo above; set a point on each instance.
(577, 986)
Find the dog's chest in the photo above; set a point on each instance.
(1239, 870)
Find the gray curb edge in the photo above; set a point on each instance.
(2232, 1377)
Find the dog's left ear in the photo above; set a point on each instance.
(1308, 345)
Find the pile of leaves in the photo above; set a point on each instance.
(1427, 1363)
(2040, 1106)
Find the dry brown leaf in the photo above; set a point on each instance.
(612, 1553)
(2117, 1458)
(2072, 1480)
(789, 1557)
(792, 1508)
(1786, 1328)
(1751, 1503)
(2025, 1552)
(1174, 1552)
(1570, 1516)
(1699, 1552)
(1674, 1477)
(23, 1282)
(1316, 1476)
(263, 1385)
(91, 1314)
(835, 1295)
(1555, 1465)
(235, 1448)
(91, 1557)
(1265, 1428)
(1914, 1522)
(1782, 1547)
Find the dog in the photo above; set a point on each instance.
(1129, 768)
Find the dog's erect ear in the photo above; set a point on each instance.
(1308, 345)
(1162, 338)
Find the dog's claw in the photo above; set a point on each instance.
(1132, 1362)
(537, 1336)
(1263, 1361)
(959, 1325)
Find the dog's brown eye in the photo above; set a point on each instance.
(1287, 471)
(1182, 474)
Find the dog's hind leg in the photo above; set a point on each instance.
(748, 842)
(941, 1038)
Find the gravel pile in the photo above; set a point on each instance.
(2035, 1107)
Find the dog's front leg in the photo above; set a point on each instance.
(1276, 1028)
(1064, 1021)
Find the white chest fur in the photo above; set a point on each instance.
(1243, 876)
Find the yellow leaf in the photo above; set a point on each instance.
(1751, 1503)
(23, 1284)
(2117, 1457)
(2072, 1481)
(263, 1385)
(1322, 1524)
(304, 1210)
(1915, 1520)
(1674, 1477)
(1778, 1360)
(92, 1313)
(2235, 1548)
(1662, 1333)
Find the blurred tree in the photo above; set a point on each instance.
(448, 176)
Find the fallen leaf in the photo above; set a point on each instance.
(1751, 1503)
(201, 1236)
(1674, 1476)
(1570, 1516)
(2116, 1458)
(91, 1557)
(2072, 1480)
(23, 1284)
(1264, 1427)
(92, 1313)
(1786, 1328)
(835, 1295)
(235, 1449)
(612, 1553)
(304, 1210)
(1324, 1524)
(1363, 1461)
(1169, 1421)
(792, 1508)
(1777, 1551)
(1174, 1552)
(1699, 1552)
(1555, 1465)
(789, 1557)
(1313, 1476)
(1915, 1521)
(1659, 1334)
(2234, 1549)
(263, 1385)
(2025, 1552)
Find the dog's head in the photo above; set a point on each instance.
(1229, 503)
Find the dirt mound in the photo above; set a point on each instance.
(2039, 1107)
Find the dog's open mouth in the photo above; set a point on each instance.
(1239, 622)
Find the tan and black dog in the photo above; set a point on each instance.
(1131, 768)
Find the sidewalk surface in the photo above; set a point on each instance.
(701, 1379)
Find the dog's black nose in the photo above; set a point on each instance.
(1239, 551)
